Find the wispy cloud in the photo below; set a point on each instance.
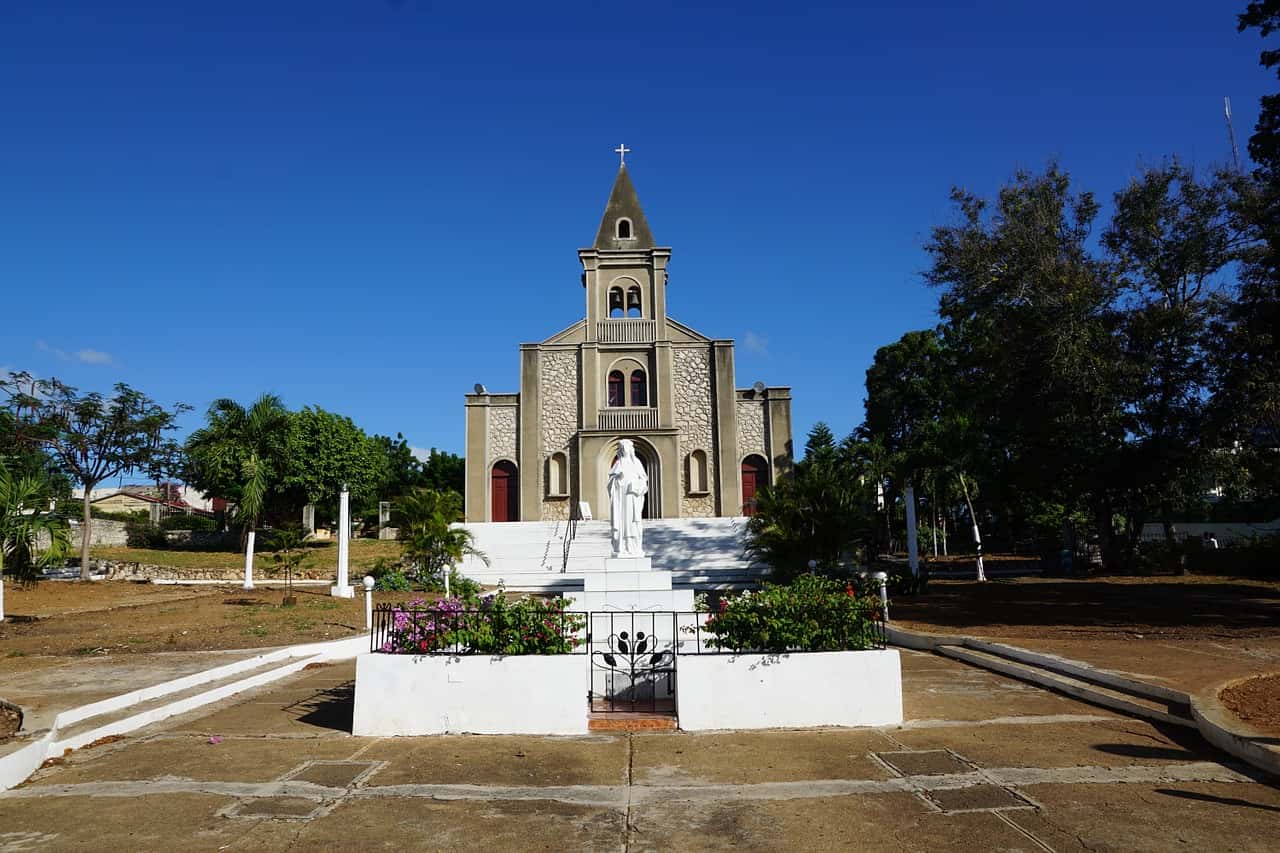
(754, 343)
(422, 454)
(84, 356)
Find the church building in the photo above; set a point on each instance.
(625, 370)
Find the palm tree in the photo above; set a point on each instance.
(239, 447)
(428, 536)
(24, 529)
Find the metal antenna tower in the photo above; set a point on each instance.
(1231, 133)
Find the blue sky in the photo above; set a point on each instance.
(220, 199)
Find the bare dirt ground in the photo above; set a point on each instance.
(1256, 702)
(120, 617)
(1184, 608)
(1190, 633)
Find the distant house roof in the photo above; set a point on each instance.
(148, 494)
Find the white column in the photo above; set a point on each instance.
(343, 589)
(248, 561)
(368, 603)
(913, 547)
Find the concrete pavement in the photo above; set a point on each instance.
(983, 763)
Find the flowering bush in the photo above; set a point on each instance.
(489, 625)
(811, 614)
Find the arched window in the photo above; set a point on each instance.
(616, 308)
(633, 303)
(557, 475)
(697, 472)
(639, 389)
(624, 229)
(615, 388)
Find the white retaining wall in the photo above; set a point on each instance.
(478, 694)
(752, 691)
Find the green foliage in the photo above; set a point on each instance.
(270, 461)
(322, 452)
(189, 521)
(811, 614)
(818, 513)
(491, 625)
(25, 526)
(91, 436)
(393, 580)
(287, 543)
(238, 454)
(429, 535)
(141, 533)
(459, 585)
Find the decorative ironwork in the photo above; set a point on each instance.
(632, 669)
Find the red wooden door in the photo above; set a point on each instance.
(753, 476)
(504, 493)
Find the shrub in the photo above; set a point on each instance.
(141, 533)
(392, 581)
(192, 521)
(811, 614)
(459, 585)
(490, 625)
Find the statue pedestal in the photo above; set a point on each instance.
(629, 583)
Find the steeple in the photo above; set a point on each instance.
(623, 225)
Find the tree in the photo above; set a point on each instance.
(93, 437)
(819, 513)
(403, 470)
(237, 455)
(444, 470)
(428, 535)
(287, 543)
(31, 538)
(1168, 241)
(1264, 145)
(324, 451)
(1029, 315)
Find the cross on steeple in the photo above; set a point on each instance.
(622, 151)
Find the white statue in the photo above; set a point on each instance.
(628, 484)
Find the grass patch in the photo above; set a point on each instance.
(321, 558)
(256, 631)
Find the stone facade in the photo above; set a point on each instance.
(752, 433)
(502, 433)
(558, 421)
(694, 406)
(626, 369)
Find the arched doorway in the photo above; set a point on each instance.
(504, 492)
(755, 476)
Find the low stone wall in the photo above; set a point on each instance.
(126, 571)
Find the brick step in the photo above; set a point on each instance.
(628, 721)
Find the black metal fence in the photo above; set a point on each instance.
(632, 654)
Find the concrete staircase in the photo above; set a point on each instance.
(529, 555)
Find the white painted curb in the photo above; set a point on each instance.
(1223, 730)
(17, 766)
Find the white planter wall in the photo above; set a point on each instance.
(431, 695)
(752, 691)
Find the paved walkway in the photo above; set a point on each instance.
(983, 763)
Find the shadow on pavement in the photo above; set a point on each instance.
(1210, 798)
(330, 708)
